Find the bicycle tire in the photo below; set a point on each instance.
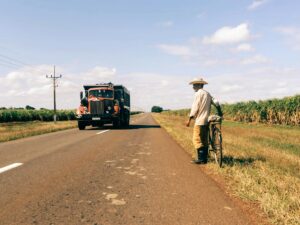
(217, 146)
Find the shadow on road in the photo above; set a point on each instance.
(136, 126)
(131, 127)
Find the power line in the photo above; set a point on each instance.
(54, 78)
(17, 62)
(12, 59)
(10, 62)
(8, 65)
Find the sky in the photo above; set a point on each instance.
(245, 50)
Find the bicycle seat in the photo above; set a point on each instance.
(214, 119)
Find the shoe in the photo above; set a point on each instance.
(202, 155)
(196, 161)
(205, 154)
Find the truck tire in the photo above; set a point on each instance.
(127, 121)
(81, 125)
(117, 123)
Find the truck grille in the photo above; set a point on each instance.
(97, 107)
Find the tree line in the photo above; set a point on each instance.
(285, 111)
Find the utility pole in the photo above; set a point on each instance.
(54, 78)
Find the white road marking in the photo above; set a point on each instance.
(101, 132)
(111, 196)
(9, 167)
(118, 202)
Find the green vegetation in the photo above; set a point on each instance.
(16, 130)
(135, 112)
(276, 111)
(156, 109)
(284, 111)
(261, 163)
(22, 115)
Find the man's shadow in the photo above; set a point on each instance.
(241, 161)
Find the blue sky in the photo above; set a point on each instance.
(245, 49)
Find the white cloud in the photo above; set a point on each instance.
(147, 89)
(257, 59)
(164, 83)
(166, 24)
(292, 34)
(257, 84)
(230, 88)
(99, 73)
(178, 50)
(256, 3)
(29, 86)
(219, 49)
(245, 47)
(211, 62)
(229, 35)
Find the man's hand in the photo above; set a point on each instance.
(187, 123)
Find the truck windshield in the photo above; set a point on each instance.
(101, 93)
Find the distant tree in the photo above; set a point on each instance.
(156, 109)
(2, 108)
(28, 107)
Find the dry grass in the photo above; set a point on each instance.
(16, 130)
(262, 164)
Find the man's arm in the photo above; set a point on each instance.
(189, 121)
(218, 107)
(194, 109)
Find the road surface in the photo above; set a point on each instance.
(108, 176)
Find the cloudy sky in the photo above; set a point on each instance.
(245, 49)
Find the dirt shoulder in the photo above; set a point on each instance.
(227, 178)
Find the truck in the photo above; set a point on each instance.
(103, 103)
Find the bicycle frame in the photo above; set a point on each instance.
(211, 129)
(215, 149)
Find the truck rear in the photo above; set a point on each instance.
(104, 104)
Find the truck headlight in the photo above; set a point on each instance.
(109, 108)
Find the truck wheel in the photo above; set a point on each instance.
(126, 122)
(116, 123)
(81, 125)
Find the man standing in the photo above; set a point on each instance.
(200, 112)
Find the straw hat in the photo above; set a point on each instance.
(198, 81)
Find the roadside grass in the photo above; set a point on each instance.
(261, 164)
(16, 130)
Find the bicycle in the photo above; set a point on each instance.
(215, 139)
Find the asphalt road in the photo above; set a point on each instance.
(108, 176)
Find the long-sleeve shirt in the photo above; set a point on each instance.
(201, 107)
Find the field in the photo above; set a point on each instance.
(274, 111)
(262, 164)
(22, 115)
(16, 130)
(285, 111)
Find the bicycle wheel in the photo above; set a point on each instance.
(217, 146)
